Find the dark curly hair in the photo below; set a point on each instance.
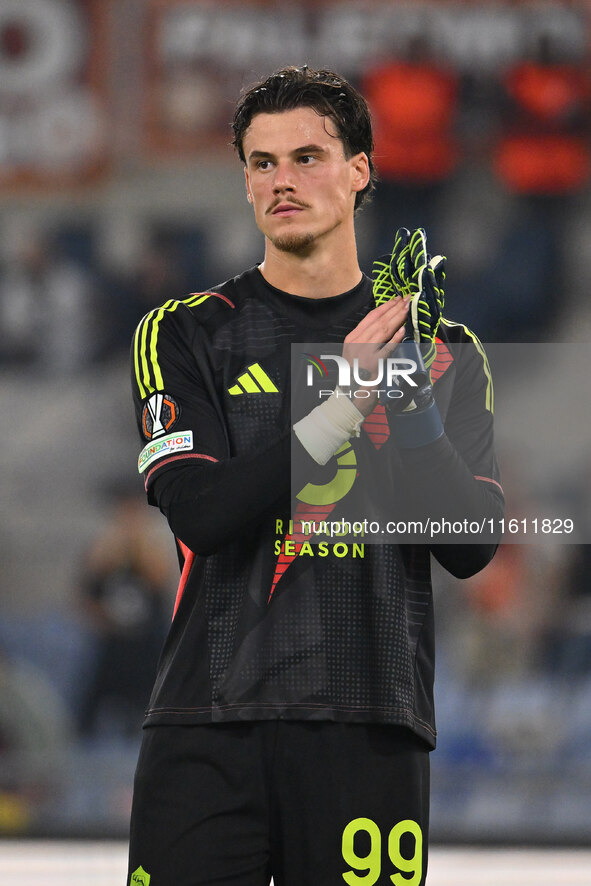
(325, 92)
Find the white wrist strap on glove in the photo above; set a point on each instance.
(328, 426)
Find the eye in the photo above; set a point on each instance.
(263, 164)
(306, 159)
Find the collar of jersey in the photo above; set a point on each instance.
(319, 312)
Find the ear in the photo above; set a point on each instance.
(247, 180)
(359, 171)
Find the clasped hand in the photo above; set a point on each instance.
(375, 337)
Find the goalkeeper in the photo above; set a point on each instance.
(290, 725)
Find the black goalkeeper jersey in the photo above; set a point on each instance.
(268, 624)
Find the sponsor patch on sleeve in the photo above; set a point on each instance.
(172, 443)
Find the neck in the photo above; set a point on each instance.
(313, 273)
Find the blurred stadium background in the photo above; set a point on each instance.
(118, 190)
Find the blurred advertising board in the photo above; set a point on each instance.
(53, 92)
(199, 53)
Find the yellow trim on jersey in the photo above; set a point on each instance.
(490, 395)
(147, 367)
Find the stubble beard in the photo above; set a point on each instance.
(296, 244)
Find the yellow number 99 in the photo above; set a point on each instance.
(372, 862)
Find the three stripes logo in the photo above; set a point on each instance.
(254, 380)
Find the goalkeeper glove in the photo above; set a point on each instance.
(412, 273)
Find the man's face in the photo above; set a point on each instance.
(297, 178)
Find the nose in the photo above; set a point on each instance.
(284, 179)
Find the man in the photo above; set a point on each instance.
(289, 730)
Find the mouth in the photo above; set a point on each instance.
(286, 210)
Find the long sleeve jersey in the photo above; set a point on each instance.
(268, 623)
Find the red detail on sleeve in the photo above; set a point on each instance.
(489, 480)
(189, 557)
(218, 295)
(442, 361)
(167, 461)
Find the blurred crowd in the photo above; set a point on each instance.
(62, 310)
(497, 170)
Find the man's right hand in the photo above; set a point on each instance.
(375, 337)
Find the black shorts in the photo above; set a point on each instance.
(306, 803)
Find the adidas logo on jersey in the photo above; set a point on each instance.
(254, 380)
